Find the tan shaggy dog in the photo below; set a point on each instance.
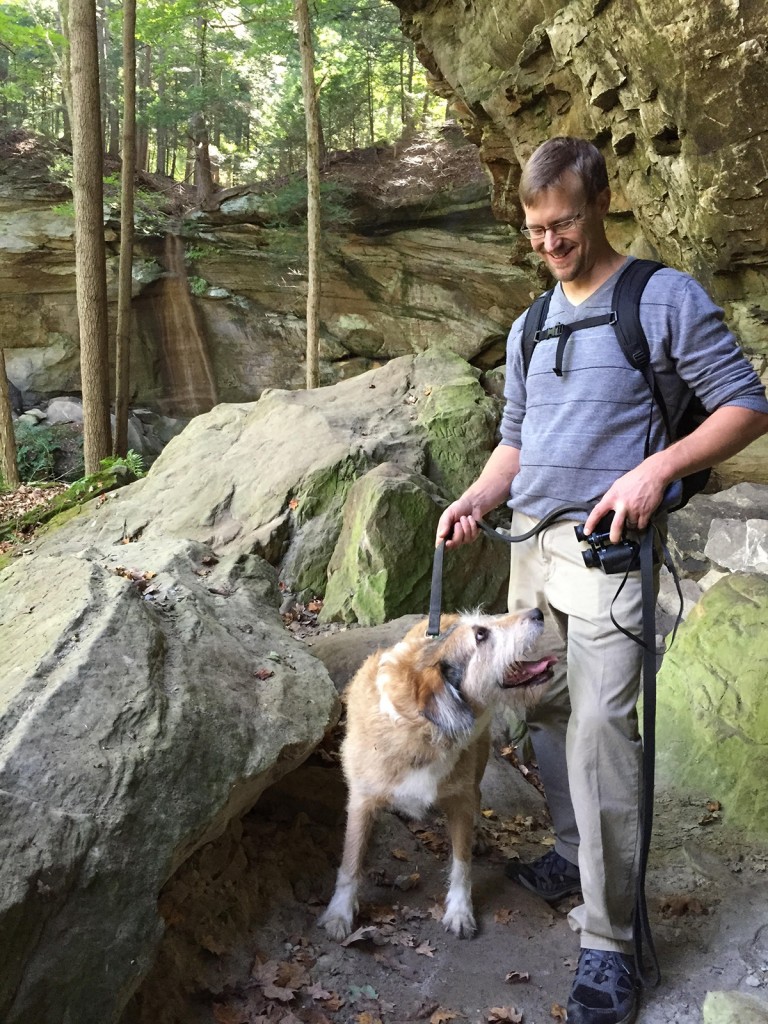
(418, 719)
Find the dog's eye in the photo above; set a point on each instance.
(481, 633)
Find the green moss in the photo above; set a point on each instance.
(460, 421)
(381, 566)
(327, 489)
(713, 716)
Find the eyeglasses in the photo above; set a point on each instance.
(560, 227)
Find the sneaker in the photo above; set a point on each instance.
(552, 877)
(605, 989)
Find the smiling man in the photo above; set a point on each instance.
(590, 432)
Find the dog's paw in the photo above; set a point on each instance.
(460, 921)
(337, 926)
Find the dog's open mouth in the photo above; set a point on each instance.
(529, 673)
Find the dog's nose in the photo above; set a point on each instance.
(536, 614)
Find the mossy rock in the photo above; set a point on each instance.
(382, 565)
(712, 720)
(460, 421)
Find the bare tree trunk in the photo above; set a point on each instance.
(161, 131)
(312, 119)
(90, 253)
(145, 83)
(8, 467)
(204, 182)
(66, 82)
(128, 173)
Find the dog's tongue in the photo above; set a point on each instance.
(525, 671)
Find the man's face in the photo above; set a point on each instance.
(571, 252)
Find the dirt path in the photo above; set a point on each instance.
(243, 947)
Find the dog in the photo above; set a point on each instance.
(418, 717)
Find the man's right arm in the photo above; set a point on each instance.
(459, 521)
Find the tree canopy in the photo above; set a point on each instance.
(235, 67)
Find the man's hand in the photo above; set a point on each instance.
(634, 498)
(457, 524)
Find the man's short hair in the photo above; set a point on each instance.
(556, 157)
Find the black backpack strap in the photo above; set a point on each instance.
(535, 319)
(629, 330)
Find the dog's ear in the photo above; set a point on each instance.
(446, 708)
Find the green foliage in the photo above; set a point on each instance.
(193, 253)
(197, 285)
(288, 204)
(114, 471)
(237, 65)
(132, 461)
(36, 451)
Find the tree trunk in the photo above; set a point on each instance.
(145, 83)
(204, 180)
(312, 119)
(161, 131)
(66, 83)
(90, 253)
(8, 467)
(128, 173)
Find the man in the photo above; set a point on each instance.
(579, 435)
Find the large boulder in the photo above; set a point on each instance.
(275, 478)
(148, 697)
(734, 1008)
(150, 692)
(726, 530)
(712, 713)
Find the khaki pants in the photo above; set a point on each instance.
(584, 730)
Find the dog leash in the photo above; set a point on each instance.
(641, 928)
(436, 591)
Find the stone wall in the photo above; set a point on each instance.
(668, 91)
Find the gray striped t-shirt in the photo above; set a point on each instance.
(579, 432)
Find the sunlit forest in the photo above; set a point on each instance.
(229, 70)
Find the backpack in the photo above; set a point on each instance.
(625, 320)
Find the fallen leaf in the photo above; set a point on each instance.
(224, 1013)
(558, 1012)
(382, 914)
(334, 1003)
(679, 906)
(441, 1016)
(489, 814)
(263, 673)
(436, 911)
(317, 992)
(406, 882)
(714, 805)
(361, 934)
(276, 980)
(367, 1018)
(425, 949)
(505, 916)
(504, 1013)
(293, 503)
(292, 974)
(517, 977)
(400, 854)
